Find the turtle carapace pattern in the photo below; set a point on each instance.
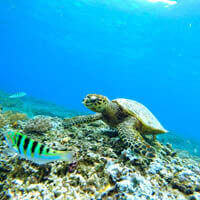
(130, 118)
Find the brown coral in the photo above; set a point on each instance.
(13, 117)
(2, 121)
(38, 124)
(10, 117)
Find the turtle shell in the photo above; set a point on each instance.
(143, 114)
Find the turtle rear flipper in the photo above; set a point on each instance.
(133, 139)
(68, 122)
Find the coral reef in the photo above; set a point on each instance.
(14, 116)
(104, 169)
(2, 121)
(39, 124)
(11, 118)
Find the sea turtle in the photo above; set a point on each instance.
(130, 118)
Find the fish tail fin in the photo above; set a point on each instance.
(67, 156)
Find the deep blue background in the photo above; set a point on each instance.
(62, 50)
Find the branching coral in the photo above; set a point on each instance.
(2, 121)
(10, 117)
(14, 116)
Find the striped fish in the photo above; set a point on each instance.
(32, 150)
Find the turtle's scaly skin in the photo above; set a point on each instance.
(133, 139)
(130, 118)
(68, 122)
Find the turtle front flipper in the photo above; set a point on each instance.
(68, 122)
(133, 139)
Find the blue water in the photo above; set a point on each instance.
(61, 50)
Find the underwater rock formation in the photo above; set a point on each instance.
(104, 168)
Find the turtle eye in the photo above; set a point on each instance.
(93, 100)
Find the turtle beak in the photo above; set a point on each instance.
(88, 100)
(83, 101)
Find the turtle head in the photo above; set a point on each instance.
(96, 102)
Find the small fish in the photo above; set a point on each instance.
(17, 95)
(32, 150)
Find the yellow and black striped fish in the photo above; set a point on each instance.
(33, 150)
